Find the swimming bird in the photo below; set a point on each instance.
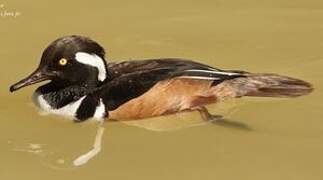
(83, 85)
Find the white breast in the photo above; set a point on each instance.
(68, 110)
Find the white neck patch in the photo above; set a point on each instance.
(67, 110)
(93, 60)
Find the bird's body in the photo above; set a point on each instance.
(83, 85)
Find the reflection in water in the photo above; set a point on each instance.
(168, 123)
(56, 159)
(233, 124)
(30, 147)
(278, 36)
(190, 119)
(59, 159)
(48, 156)
(179, 122)
(83, 159)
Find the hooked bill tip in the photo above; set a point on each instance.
(11, 89)
(14, 88)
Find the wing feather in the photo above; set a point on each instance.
(131, 79)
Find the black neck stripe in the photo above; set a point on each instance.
(87, 108)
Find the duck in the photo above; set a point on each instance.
(82, 85)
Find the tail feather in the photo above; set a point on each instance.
(272, 85)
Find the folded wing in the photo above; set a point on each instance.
(131, 79)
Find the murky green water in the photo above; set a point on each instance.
(285, 140)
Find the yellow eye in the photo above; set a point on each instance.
(62, 62)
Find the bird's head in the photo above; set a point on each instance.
(70, 60)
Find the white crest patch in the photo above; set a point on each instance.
(93, 60)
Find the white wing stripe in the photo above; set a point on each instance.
(199, 77)
(213, 72)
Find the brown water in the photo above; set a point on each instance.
(266, 139)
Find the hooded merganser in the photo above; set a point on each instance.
(83, 85)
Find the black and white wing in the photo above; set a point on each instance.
(131, 79)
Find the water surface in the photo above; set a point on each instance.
(273, 139)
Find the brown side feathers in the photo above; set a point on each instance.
(180, 94)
